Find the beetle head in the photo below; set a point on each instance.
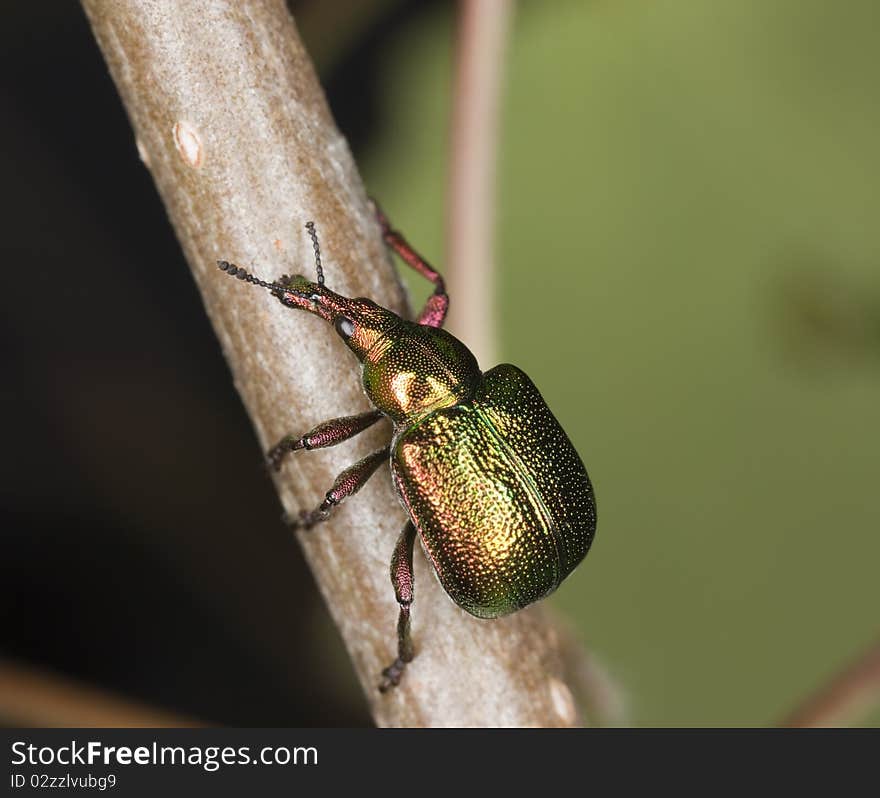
(360, 322)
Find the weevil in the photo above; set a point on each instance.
(493, 487)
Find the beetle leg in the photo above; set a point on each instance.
(402, 579)
(434, 312)
(329, 433)
(346, 484)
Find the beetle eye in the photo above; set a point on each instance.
(344, 326)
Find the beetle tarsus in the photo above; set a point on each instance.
(275, 456)
(306, 519)
(391, 675)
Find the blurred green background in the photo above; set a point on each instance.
(688, 264)
(689, 268)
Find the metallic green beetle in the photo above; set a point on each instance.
(492, 485)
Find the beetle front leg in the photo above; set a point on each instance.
(346, 484)
(328, 433)
(434, 312)
(402, 579)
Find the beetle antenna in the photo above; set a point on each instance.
(310, 226)
(236, 271)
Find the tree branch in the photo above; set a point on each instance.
(470, 202)
(32, 697)
(232, 123)
(847, 697)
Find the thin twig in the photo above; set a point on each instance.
(847, 697)
(33, 697)
(470, 213)
(233, 125)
